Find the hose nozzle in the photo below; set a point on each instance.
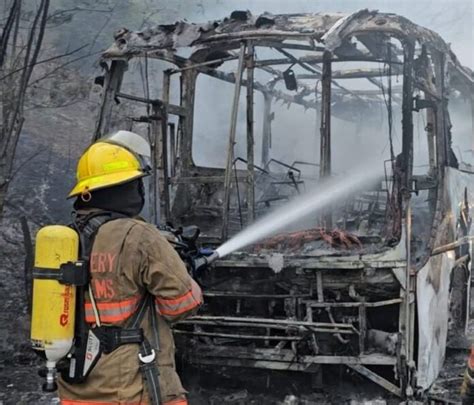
(212, 258)
(202, 262)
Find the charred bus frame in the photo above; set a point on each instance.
(330, 301)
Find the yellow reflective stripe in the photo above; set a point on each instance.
(121, 164)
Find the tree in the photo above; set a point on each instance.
(19, 50)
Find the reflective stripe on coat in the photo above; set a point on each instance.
(128, 259)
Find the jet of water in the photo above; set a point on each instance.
(300, 207)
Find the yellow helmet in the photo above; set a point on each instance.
(106, 164)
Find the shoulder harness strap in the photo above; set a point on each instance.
(147, 354)
(112, 337)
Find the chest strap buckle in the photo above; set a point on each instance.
(147, 358)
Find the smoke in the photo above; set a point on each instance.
(312, 202)
(295, 131)
(357, 136)
(357, 129)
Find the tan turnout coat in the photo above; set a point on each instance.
(130, 257)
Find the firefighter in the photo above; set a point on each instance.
(129, 260)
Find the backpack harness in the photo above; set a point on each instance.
(90, 343)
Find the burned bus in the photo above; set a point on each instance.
(245, 113)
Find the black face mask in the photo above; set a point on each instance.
(127, 199)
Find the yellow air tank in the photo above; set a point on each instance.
(53, 310)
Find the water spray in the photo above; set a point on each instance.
(310, 203)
